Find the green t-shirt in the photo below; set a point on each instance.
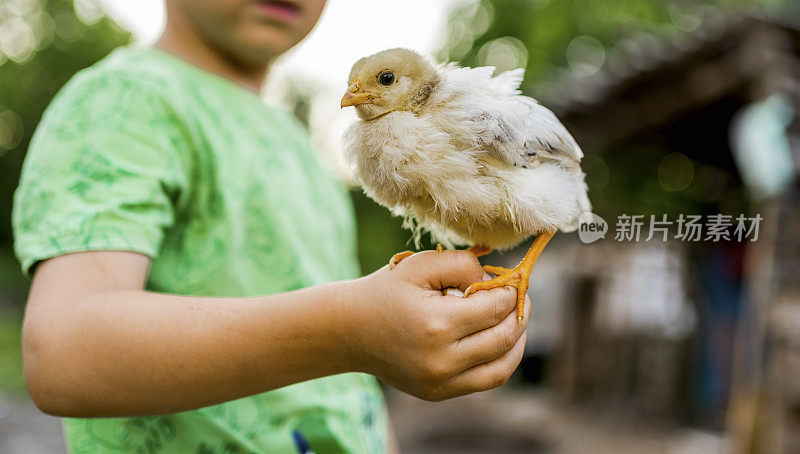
(145, 152)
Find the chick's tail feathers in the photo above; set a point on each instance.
(584, 205)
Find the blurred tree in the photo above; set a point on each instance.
(42, 44)
(544, 35)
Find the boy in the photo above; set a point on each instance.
(161, 201)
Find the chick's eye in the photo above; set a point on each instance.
(386, 79)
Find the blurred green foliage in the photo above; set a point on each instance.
(11, 352)
(546, 35)
(42, 44)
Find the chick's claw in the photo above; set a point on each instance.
(397, 258)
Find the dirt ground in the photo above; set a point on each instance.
(26, 430)
(520, 421)
(502, 421)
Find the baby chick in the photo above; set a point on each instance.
(464, 155)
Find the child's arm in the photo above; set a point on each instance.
(96, 344)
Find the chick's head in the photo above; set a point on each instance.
(391, 80)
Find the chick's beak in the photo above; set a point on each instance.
(355, 96)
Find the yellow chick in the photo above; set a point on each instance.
(464, 155)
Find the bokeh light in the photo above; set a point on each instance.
(479, 16)
(10, 130)
(585, 55)
(89, 11)
(504, 53)
(68, 28)
(675, 172)
(623, 10)
(17, 39)
(683, 18)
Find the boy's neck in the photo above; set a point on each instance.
(184, 42)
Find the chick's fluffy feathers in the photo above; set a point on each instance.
(475, 162)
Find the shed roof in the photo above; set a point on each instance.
(647, 80)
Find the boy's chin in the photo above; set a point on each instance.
(261, 46)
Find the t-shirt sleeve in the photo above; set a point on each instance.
(104, 171)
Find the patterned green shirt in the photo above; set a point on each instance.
(145, 152)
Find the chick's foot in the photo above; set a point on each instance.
(397, 258)
(517, 277)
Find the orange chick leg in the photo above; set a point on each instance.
(517, 277)
(496, 270)
(397, 258)
(480, 250)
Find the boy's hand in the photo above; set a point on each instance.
(430, 345)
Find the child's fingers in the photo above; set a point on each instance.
(440, 270)
(488, 375)
(481, 310)
(492, 343)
